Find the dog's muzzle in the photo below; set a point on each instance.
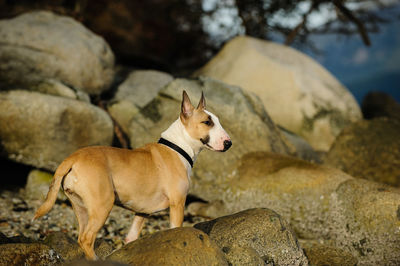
(227, 145)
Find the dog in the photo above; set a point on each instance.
(144, 180)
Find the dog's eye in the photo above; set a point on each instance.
(208, 123)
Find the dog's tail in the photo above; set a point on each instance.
(62, 170)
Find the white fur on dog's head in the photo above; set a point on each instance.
(217, 134)
(203, 126)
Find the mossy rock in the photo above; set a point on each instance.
(369, 149)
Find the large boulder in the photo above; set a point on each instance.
(179, 246)
(41, 45)
(41, 130)
(369, 149)
(142, 86)
(241, 114)
(262, 231)
(297, 92)
(319, 202)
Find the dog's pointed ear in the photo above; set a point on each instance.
(202, 102)
(186, 106)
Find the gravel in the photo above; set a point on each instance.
(17, 213)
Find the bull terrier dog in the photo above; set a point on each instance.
(144, 180)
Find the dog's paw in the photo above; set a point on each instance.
(129, 239)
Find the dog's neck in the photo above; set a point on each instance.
(177, 134)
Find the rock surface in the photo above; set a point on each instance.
(298, 93)
(369, 149)
(41, 45)
(236, 255)
(41, 130)
(64, 245)
(319, 202)
(179, 246)
(262, 232)
(303, 148)
(244, 111)
(57, 88)
(37, 186)
(69, 249)
(323, 254)
(368, 221)
(28, 254)
(55, 248)
(142, 86)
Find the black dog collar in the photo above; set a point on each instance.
(176, 148)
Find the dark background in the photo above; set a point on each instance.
(357, 41)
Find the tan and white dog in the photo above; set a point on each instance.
(144, 180)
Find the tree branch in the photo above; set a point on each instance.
(290, 37)
(351, 17)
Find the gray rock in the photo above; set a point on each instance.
(41, 130)
(369, 149)
(297, 92)
(142, 86)
(261, 230)
(54, 87)
(28, 254)
(37, 186)
(179, 246)
(241, 114)
(41, 45)
(303, 149)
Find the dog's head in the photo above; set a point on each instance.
(203, 125)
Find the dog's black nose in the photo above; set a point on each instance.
(227, 144)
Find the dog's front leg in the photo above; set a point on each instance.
(176, 211)
(136, 227)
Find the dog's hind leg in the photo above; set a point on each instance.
(89, 233)
(79, 210)
(136, 227)
(96, 219)
(92, 204)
